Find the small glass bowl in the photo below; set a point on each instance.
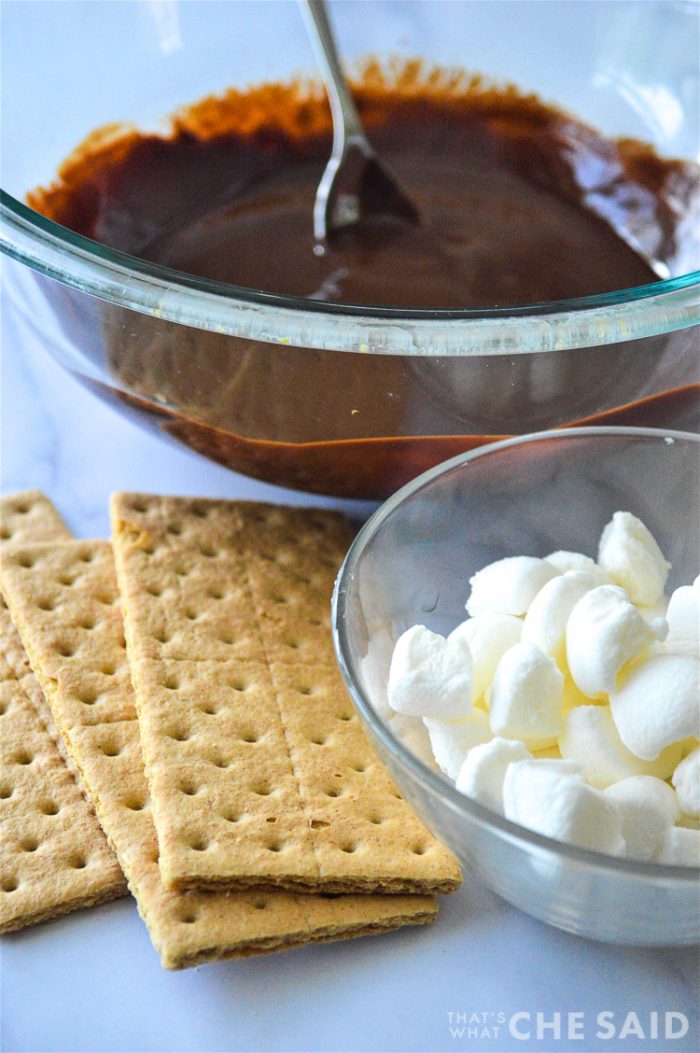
(411, 564)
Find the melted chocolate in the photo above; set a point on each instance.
(511, 192)
(521, 203)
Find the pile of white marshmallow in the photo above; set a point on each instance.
(569, 701)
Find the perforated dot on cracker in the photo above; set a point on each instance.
(259, 770)
(79, 651)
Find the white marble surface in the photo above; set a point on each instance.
(93, 982)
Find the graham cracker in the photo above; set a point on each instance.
(54, 857)
(29, 516)
(186, 928)
(260, 773)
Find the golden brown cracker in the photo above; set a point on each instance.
(53, 855)
(186, 928)
(27, 517)
(69, 592)
(227, 609)
(203, 720)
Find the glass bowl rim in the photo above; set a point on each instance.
(131, 282)
(436, 782)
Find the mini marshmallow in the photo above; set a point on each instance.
(572, 696)
(556, 764)
(550, 753)
(451, 740)
(482, 773)
(564, 561)
(649, 808)
(656, 703)
(604, 632)
(413, 734)
(556, 802)
(527, 694)
(508, 586)
(655, 617)
(430, 676)
(591, 738)
(588, 774)
(374, 668)
(683, 617)
(545, 622)
(632, 558)
(539, 747)
(686, 780)
(680, 847)
(489, 636)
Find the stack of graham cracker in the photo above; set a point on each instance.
(172, 715)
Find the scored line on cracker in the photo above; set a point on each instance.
(260, 773)
(186, 928)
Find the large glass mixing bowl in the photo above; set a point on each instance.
(411, 564)
(340, 400)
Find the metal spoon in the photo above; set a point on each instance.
(355, 183)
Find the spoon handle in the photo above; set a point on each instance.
(347, 127)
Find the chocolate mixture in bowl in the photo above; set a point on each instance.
(521, 204)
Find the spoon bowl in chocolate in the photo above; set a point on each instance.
(356, 184)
